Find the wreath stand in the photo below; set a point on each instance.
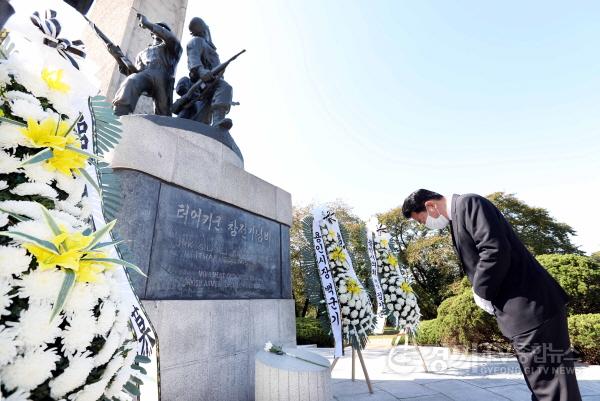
(406, 335)
(356, 351)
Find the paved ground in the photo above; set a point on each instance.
(399, 375)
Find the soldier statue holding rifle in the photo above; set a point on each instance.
(206, 97)
(153, 73)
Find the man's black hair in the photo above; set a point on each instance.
(415, 202)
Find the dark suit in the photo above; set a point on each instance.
(528, 303)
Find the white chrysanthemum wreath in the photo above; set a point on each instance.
(399, 297)
(358, 319)
(64, 322)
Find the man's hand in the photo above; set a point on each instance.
(483, 303)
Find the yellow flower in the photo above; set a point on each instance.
(384, 243)
(66, 161)
(338, 255)
(71, 255)
(54, 80)
(353, 286)
(391, 259)
(48, 134)
(406, 287)
(56, 136)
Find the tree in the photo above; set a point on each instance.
(596, 256)
(540, 232)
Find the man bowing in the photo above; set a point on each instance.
(508, 282)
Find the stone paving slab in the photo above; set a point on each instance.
(398, 375)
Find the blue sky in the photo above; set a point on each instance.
(367, 101)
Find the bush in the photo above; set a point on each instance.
(429, 332)
(309, 331)
(579, 276)
(585, 336)
(463, 324)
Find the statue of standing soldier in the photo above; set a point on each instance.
(154, 72)
(202, 61)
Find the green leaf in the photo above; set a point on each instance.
(16, 216)
(119, 262)
(141, 369)
(47, 245)
(39, 157)
(142, 359)
(89, 179)
(73, 125)
(65, 290)
(14, 122)
(98, 235)
(132, 389)
(105, 244)
(83, 152)
(50, 220)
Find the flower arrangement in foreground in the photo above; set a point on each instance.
(64, 317)
(399, 299)
(325, 257)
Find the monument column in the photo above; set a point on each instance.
(117, 19)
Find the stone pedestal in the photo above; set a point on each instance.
(214, 243)
(285, 378)
(117, 19)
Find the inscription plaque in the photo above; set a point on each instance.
(203, 248)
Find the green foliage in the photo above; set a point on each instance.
(434, 266)
(584, 331)
(540, 232)
(596, 256)
(579, 276)
(463, 324)
(309, 331)
(429, 332)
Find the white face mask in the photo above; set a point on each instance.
(436, 223)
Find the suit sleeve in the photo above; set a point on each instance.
(487, 229)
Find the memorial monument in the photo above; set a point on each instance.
(212, 238)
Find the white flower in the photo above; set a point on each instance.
(5, 299)
(74, 186)
(396, 313)
(10, 138)
(23, 208)
(18, 395)
(81, 300)
(358, 304)
(41, 286)
(342, 289)
(354, 322)
(38, 173)
(13, 260)
(344, 298)
(35, 328)
(393, 297)
(34, 188)
(113, 341)
(30, 370)
(3, 185)
(345, 310)
(9, 345)
(354, 314)
(392, 288)
(74, 376)
(26, 106)
(3, 219)
(35, 228)
(268, 346)
(8, 163)
(108, 313)
(80, 333)
(123, 375)
(397, 306)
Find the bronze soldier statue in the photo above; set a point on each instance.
(202, 59)
(155, 73)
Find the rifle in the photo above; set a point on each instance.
(217, 72)
(126, 67)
